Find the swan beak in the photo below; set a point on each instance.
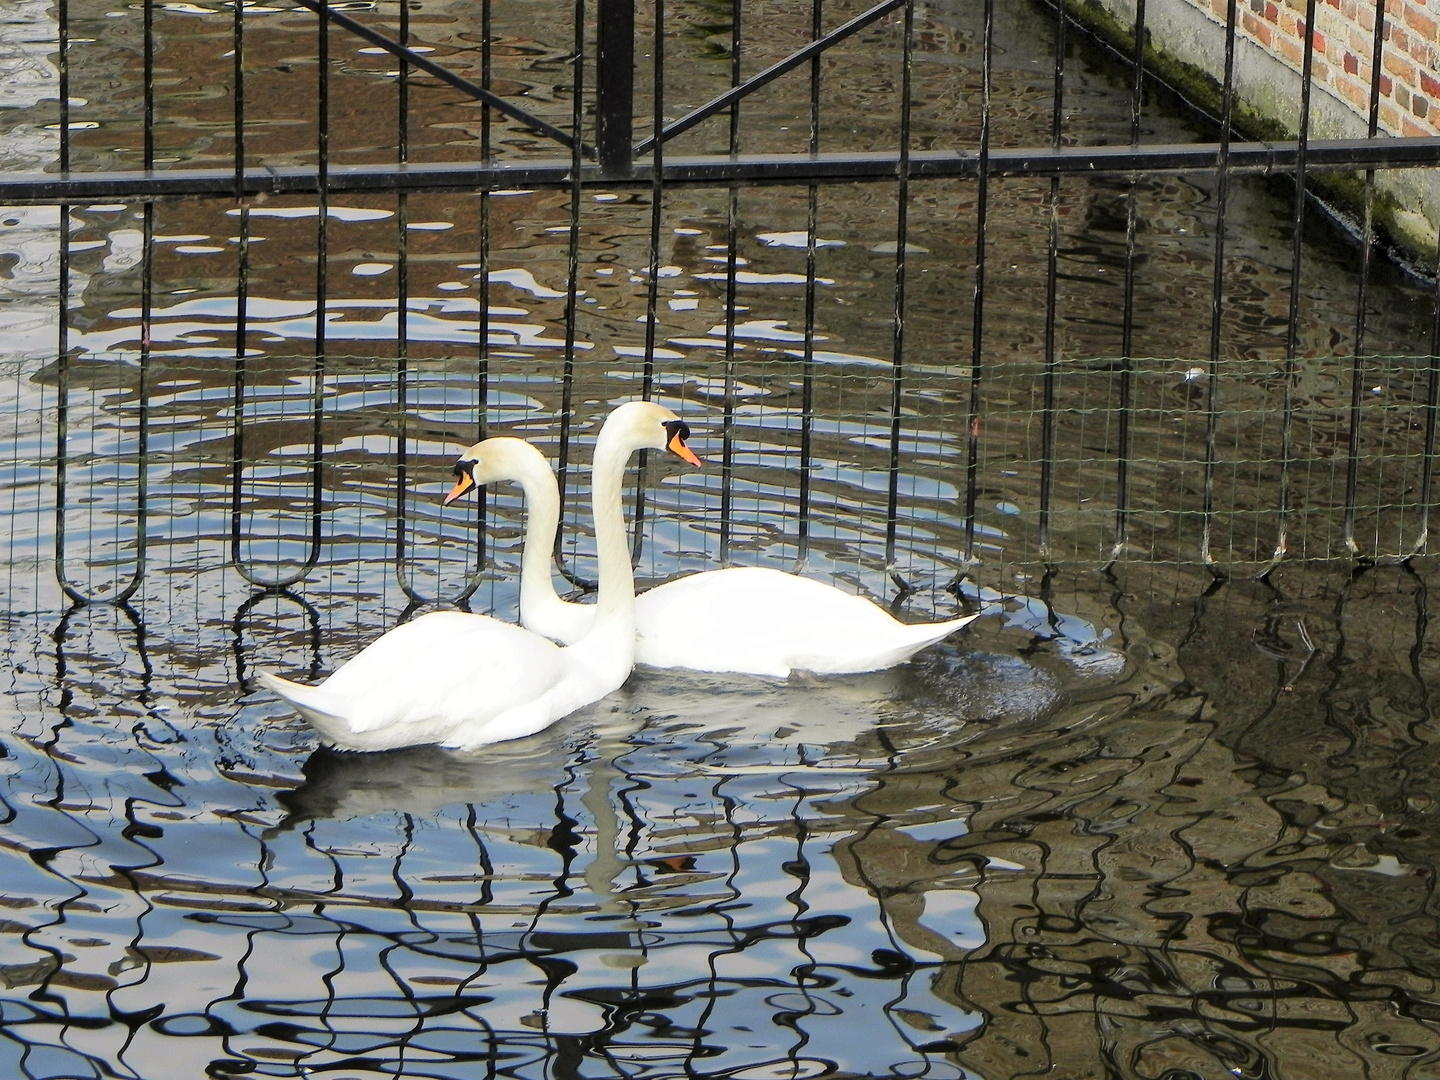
(463, 483)
(677, 446)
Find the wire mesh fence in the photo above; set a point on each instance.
(917, 341)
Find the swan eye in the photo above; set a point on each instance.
(463, 467)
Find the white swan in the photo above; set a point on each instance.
(756, 621)
(465, 680)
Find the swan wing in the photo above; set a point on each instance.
(767, 622)
(427, 677)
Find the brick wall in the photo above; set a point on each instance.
(1344, 46)
(1269, 55)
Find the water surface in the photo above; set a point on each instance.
(1136, 821)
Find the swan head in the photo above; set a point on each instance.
(493, 460)
(643, 425)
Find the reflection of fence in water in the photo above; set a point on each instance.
(656, 890)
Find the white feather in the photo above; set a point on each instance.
(747, 620)
(466, 680)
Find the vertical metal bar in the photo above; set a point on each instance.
(242, 287)
(402, 319)
(62, 47)
(732, 240)
(237, 435)
(1367, 244)
(1432, 415)
(727, 445)
(142, 438)
(897, 362)
(807, 371)
(1292, 319)
(567, 378)
(402, 92)
(482, 358)
(62, 314)
(652, 291)
(735, 44)
(486, 118)
(973, 420)
(615, 85)
(62, 385)
(317, 366)
(148, 64)
(1049, 417)
(237, 46)
(242, 293)
(147, 316)
(1222, 191)
(322, 299)
(1127, 322)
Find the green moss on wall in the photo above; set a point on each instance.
(1342, 192)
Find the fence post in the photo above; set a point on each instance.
(615, 86)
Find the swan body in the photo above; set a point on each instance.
(465, 680)
(761, 621)
(755, 621)
(447, 677)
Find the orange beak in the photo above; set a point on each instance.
(462, 485)
(677, 447)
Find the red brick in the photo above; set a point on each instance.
(1393, 33)
(1410, 129)
(1352, 66)
(1421, 23)
(1257, 29)
(1401, 67)
(1272, 13)
(1386, 85)
(1430, 84)
(1355, 93)
(1321, 44)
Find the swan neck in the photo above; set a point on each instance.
(616, 600)
(542, 517)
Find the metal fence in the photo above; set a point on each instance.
(975, 420)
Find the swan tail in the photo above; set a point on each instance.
(324, 711)
(917, 636)
(920, 634)
(892, 645)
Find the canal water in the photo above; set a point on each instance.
(1146, 817)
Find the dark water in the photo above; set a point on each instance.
(1135, 822)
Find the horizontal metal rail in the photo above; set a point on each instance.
(1257, 157)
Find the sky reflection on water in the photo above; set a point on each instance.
(1136, 822)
